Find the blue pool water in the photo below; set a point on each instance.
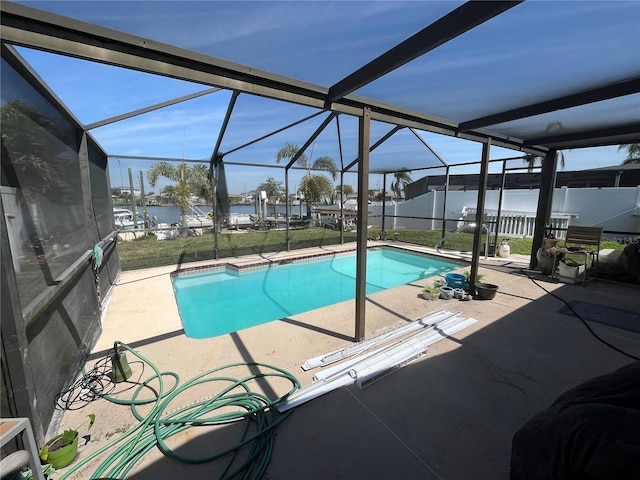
(216, 302)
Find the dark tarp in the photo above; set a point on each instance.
(589, 432)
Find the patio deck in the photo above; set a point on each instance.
(449, 415)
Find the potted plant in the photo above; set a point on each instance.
(467, 277)
(431, 292)
(61, 450)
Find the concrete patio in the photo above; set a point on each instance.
(449, 415)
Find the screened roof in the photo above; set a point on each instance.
(531, 75)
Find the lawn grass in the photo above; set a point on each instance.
(148, 252)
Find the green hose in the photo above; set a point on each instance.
(233, 402)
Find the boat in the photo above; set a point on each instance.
(119, 210)
(281, 222)
(197, 218)
(241, 220)
(329, 217)
(124, 219)
(165, 233)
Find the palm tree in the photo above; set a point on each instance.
(190, 181)
(169, 191)
(346, 190)
(633, 153)
(402, 179)
(313, 187)
(531, 159)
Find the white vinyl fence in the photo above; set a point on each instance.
(614, 209)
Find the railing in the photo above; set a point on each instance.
(517, 224)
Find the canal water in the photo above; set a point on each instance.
(171, 214)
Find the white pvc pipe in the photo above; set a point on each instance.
(376, 364)
(445, 328)
(338, 355)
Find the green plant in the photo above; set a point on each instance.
(435, 288)
(313, 187)
(190, 181)
(402, 179)
(467, 276)
(66, 438)
(432, 292)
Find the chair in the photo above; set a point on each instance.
(577, 241)
(15, 462)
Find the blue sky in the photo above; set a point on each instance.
(322, 42)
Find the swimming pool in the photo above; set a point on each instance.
(217, 300)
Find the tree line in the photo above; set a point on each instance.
(315, 188)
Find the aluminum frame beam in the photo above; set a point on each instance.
(384, 201)
(204, 161)
(617, 135)
(339, 136)
(216, 169)
(275, 132)
(150, 108)
(477, 234)
(607, 92)
(295, 158)
(424, 142)
(364, 134)
(159, 159)
(383, 139)
(445, 202)
(545, 199)
(49, 32)
(446, 28)
(58, 34)
(14, 341)
(16, 60)
(311, 139)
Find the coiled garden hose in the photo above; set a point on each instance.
(233, 402)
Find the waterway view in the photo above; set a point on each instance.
(171, 214)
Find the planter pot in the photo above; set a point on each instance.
(486, 291)
(455, 280)
(446, 292)
(546, 255)
(61, 457)
(430, 295)
(459, 293)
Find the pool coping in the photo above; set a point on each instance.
(301, 258)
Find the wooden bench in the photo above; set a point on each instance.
(577, 241)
